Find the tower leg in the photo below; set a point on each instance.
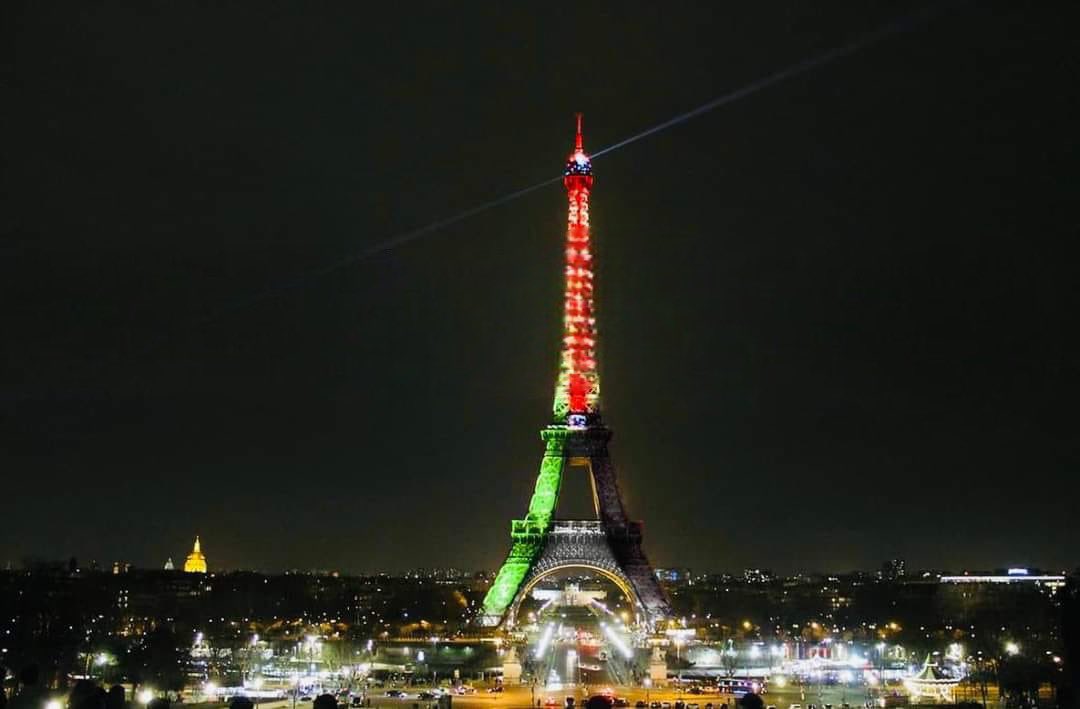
(527, 535)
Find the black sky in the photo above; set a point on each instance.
(837, 317)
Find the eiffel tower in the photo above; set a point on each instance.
(610, 544)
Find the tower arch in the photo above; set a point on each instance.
(576, 544)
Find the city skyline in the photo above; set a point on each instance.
(120, 563)
(834, 314)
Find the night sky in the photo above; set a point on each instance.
(837, 316)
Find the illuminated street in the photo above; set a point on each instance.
(523, 696)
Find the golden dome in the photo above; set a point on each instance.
(195, 562)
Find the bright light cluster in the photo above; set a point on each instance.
(617, 641)
(545, 639)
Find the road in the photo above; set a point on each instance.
(524, 697)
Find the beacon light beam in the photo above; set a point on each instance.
(871, 38)
(867, 40)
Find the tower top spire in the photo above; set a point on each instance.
(578, 163)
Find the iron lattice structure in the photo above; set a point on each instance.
(577, 437)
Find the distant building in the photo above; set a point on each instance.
(757, 575)
(195, 562)
(673, 575)
(169, 565)
(1011, 576)
(893, 569)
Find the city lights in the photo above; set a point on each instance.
(1012, 648)
(145, 696)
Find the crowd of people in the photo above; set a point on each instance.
(84, 694)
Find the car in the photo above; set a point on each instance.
(655, 705)
(640, 704)
(794, 706)
(679, 704)
(665, 705)
(426, 696)
(692, 705)
(771, 706)
(395, 693)
(305, 698)
(550, 702)
(495, 689)
(708, 705)
(620, 702)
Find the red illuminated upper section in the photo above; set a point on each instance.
(578, 163)
(577, 394)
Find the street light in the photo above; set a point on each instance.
(1012, 648)
(881, 671)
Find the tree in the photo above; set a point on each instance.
(160, 662)
(1020, 677)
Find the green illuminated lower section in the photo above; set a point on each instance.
(528, 534)
(546, 493)
(508, 581)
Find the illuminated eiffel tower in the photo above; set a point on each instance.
(610, 544)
